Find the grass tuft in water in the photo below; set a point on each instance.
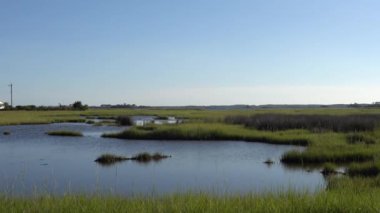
(65, 133)
(110, 159)
(147, 157)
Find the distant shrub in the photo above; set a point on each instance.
(124, 121)
(77, 105)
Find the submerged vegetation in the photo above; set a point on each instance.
(65, 133)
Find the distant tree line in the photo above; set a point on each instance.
(77, 105)
(373, 105)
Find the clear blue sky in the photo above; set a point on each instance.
(180, 52)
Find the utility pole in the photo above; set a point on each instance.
(11, 86)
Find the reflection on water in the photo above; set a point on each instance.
(30, 160)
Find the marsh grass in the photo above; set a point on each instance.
(110, 159)
(65, 133)
(322, 147)
(355, 138)
(369, 169)
(334, 156)
(146, 157)
(44, 117)
(335, 200)
(342, 194)
(353, 184)
(210, 131)
(317, 123)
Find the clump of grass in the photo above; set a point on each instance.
(269, 161)
(65, 133)
(144, 157)
(110, 159)
(333, 156)
(364, 169)
(147, 157)
(124, 121)
(357, 138)
(6, 133)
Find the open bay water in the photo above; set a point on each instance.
(32, 162)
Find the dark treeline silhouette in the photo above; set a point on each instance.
(75, 106)
(276, 122)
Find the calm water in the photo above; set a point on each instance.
(32, 162)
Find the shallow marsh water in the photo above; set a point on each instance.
(33, 162)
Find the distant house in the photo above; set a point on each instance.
(2, 105)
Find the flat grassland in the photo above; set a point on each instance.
(43, 117)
